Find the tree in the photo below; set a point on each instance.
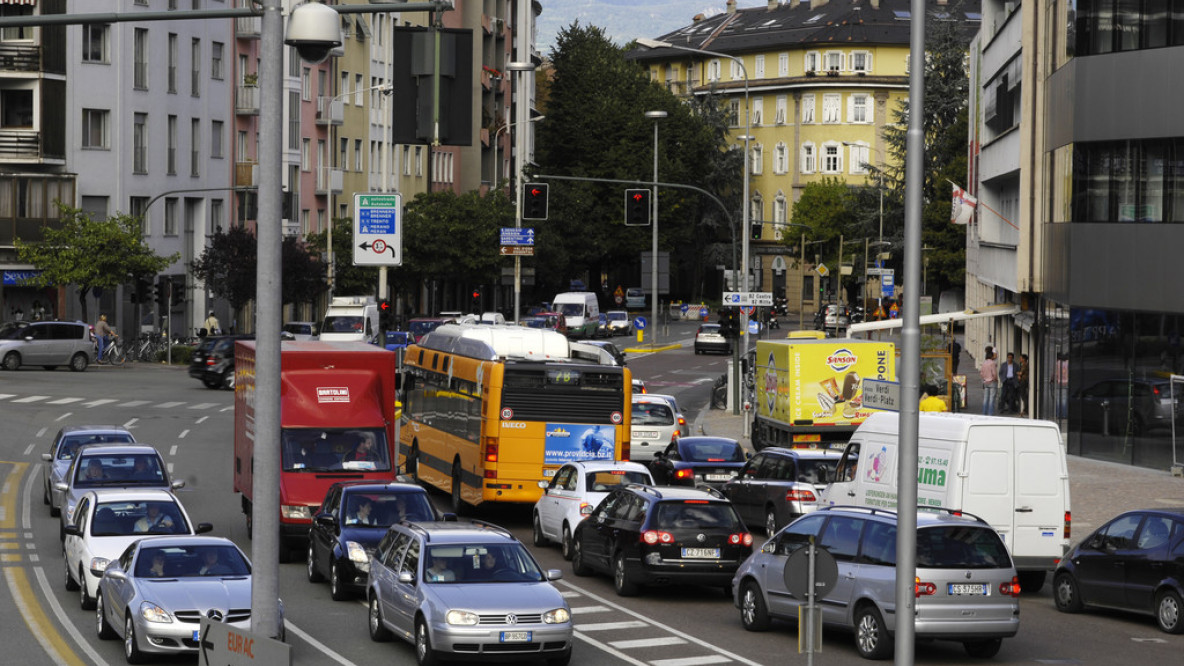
(304, 272)
(825, 207)
(90, 253)
(348, 279)
(229, 264)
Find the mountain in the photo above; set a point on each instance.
(624, 20)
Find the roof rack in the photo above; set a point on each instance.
(427, 536)
(491, 526)
(856, 507)
(952, 512)
(641, 487)
(711, 490)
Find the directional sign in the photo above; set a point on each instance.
(517, 250)
(881, 394)
(881, 271)
(223, 645)
(639, 323)
(888, 285)
(762, 299)
(378, 229)
(517, 236)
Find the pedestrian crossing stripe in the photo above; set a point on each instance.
(100, 402)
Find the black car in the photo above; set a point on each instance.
(778, 485)
(1134, 562)
(213, 361)
(349, 524)
(643, 535)
(691, 461)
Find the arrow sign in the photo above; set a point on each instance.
(517, 251)
(205, 644)
(378, 224)
(378, 246)
(517, 236)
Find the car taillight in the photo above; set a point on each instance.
(1011, 589)
(674, 437)
(681, 421)
(684, 474)
(654, 536)
(742, 538)
(585, 508)
(1068, 524)
(800, 495)
(210, 360)
(925, 589)
(491, 450)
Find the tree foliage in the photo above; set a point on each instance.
(348, 279)
(825, 207)
(90, 253)
(229, 264)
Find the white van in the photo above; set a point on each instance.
(580, 310)
(351, 319)
(1010, 472)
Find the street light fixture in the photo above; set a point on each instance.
(655, 116)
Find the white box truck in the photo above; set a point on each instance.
(1011, 472)
(351, 319)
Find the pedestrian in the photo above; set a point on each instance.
(1023, 385)
(990, 375)
(955, 355)
(1010, 380)
(211, 325)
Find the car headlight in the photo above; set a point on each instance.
(461, 617)
(557, 616)
(357, 554)
(296, 512)
(98, 565)
(153, 613)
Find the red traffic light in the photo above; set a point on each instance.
(384, 305)
(638, 197)
(476, 294)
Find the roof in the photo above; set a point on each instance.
(949, 425)
(104, 429)
(596, 465)
(451, 532)
(132, 494)
(371, 486)
(117, 450)
(803, 453)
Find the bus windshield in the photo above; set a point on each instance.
(317, 450)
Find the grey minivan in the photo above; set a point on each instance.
(778, 485)
(47, 344)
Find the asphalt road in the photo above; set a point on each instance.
(40, 623)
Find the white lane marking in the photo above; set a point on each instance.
(65, 416)
(203, 405)
(65, 621)
(691, 661)
(170, 466)
(609, 626)
(229, 408)
(29, 449)
(32, 398)
(173, 450)
(201, 420)
(128, 425)
(605, 648)
(667, 628)
(64, 401)
(183, 433)
(167, 405)
(4, 396)
(317, 644)
(134, 403)
(568, 594)
(46, 644)
(648, 642)
(41, 432)
(589, 609)
(98, 403)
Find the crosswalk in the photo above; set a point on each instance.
(91, 403)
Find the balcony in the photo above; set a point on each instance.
(330, 180)
(246, 100)
(25, 147)
(20, 58)
(248, 27)
(246, 174)
(330, 111)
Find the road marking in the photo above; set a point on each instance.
(691, 661)
(648, 642)
(173, 450)
(65, 416)
(590, 609)
(167, 405)
(64, 401)
(203, 405)
(33, 398)
(29, 449)
(202, 420)
(610, 626)
(170, 466)
(606, 648)
(5, 396)
(183, 433)
(134, 403)
(129, 423)
(98, 403)
(229, 408)
(36, 620)
(317, 644)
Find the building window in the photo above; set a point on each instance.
(305, 154)
(758, 110)
(780, 212)
(195, 147)
(811, 62)
(343, 153)
(808, 158)
(304, 217)
(713, 70)
(140, 59)
(858, 113)
(861, 61)
(737, 70)
(419, 161)
(195, 76)
(859, 158)
(94, 128)
(807, 108)
(758, 159)
(294, 62)
(756, 208)
(734, 112)
(293, 120)
(216, 213)
(216, 58)
(170, 216)
(359, 98)
(831, 102)
(759, 67)
(783, 64)
(241, 151)
(172, 83)
(216, 131)
(406, 160)
(16, 33)
(782, 107)
(832, 158)
(320, 220)
(834, 61)
(780, 158)
(306, 84)
(138, 207)
(171, 157)
(140, 143)
(94, 42)
(358, 155)
(1128, 181)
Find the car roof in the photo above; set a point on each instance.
(185, 540)
(371, 486)
(140, 494)
(803, 453)
(706, 438)
(454, 532)
(597, 465)
(120, 449)
(674, 493)
(926, 516)
(97, 429)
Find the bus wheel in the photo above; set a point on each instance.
(458, 504)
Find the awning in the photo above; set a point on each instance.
(972, 313)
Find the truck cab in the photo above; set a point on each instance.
(351, 319)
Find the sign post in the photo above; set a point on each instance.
(378, 229)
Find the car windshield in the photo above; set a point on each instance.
(298, 329)
(70, 445)
(712, 329)
(383, 509)
(342, 324)
(481, 563)
(618, 316)
(317, 450)
(652, 413)
(816, 471)
(137, 469)
(697, 514)
(605, 480)
(133, 517)
(12, 330)
(191, 561)
(571, 309)
(420, 328)
(711, 450)
(960, 547)
(534, 322)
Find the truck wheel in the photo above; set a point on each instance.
(458, 504)
(1031, 581)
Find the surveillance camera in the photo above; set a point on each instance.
(315, 30)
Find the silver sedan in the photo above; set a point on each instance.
(64, 447)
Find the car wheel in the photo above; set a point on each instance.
(314, 574)
(621, 582)
(458, 504)
(539, 539)
(1065, 593)
(578, 566)
(753, 613)
(228, 380)
(79, 362)
(12, 361)
(565, 543)
(871, 638)
(102, 627)
(337, 589)
(71, 586)
(209, 383)
(424, 654)
(984, 649)
(1167, 612)
(770, 521)
(378, 631)
(131, 650)
(85, 601)
(1031, 581)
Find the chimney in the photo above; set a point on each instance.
(698, 17)
(731, 6)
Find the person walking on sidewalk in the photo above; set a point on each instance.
(1009, 375)
(990, 375)
(1023, 386)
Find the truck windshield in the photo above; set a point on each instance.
(342, 324)
(317, 450)
(571, 309)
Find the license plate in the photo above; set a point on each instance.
(549, 472)
(647, 434)
(515, 637)
(196, 638)
(718, 477)
(978, 589)
(711, 553)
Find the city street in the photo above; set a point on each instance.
(41, 623)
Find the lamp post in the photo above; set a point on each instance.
(521, 117)
(497, 167)
(655, 116)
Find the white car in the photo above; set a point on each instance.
(107, 522)
(653, 427)
(684, 430)
(619, 322)
(574, 491)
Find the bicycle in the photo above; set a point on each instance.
(113, 354)
(146, 349)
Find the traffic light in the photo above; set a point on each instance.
(163, 287)
(178, 289)
(637, 208)
(534, 201)
(756, 230)
(476, 300)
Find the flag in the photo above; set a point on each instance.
(964, 205)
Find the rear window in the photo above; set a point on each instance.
(719, 450)
(606, 480)
(652, 413)
(960, 547)
(696, 514)
(136, 469)
(71, 444)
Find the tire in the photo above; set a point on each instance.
(1168, 612)
(871, 638)
(71, 585)
(85, 601)
(754, 615)
(378, 631)
(1031, 581)
(337, 590)
(119, 357)
(770, 522)
(621, 582)
(102, 628)
(210, 384)
(131, 651)
(457, 503)
(984, 649)
(424, 654)
(12, 361)
(565, 544)
(538, 538)
(578, 566)
(228, 380)
(1065, 593)
(314, 575)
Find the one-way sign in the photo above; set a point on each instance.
(763, 299)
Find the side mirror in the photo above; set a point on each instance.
(554, 574)
(72, 530)
(115, 574)
(177, 485)
(202, 528)
(61, 486)
(326, 520)
(406, 577)
(47, 457)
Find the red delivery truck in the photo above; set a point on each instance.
(337, 420)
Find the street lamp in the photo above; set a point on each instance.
(655, 116)
(521, 117)
(497, 167)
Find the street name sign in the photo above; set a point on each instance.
(378, 229)
(517, 236)
(517, 250)
(763, 299)
(220, 644)
(881, 394)
(881, 271)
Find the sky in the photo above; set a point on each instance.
(625, 20)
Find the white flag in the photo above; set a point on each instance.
(964, 206)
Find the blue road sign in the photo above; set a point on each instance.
(888, 285)
(684, 308)
(639, 323)
(703, 313)
(517, 236)
(754, 326)
(377, 229)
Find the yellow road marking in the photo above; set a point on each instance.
(8, 494)
(37, 621)
(10, 557)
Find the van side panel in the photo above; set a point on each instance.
(987, 492)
